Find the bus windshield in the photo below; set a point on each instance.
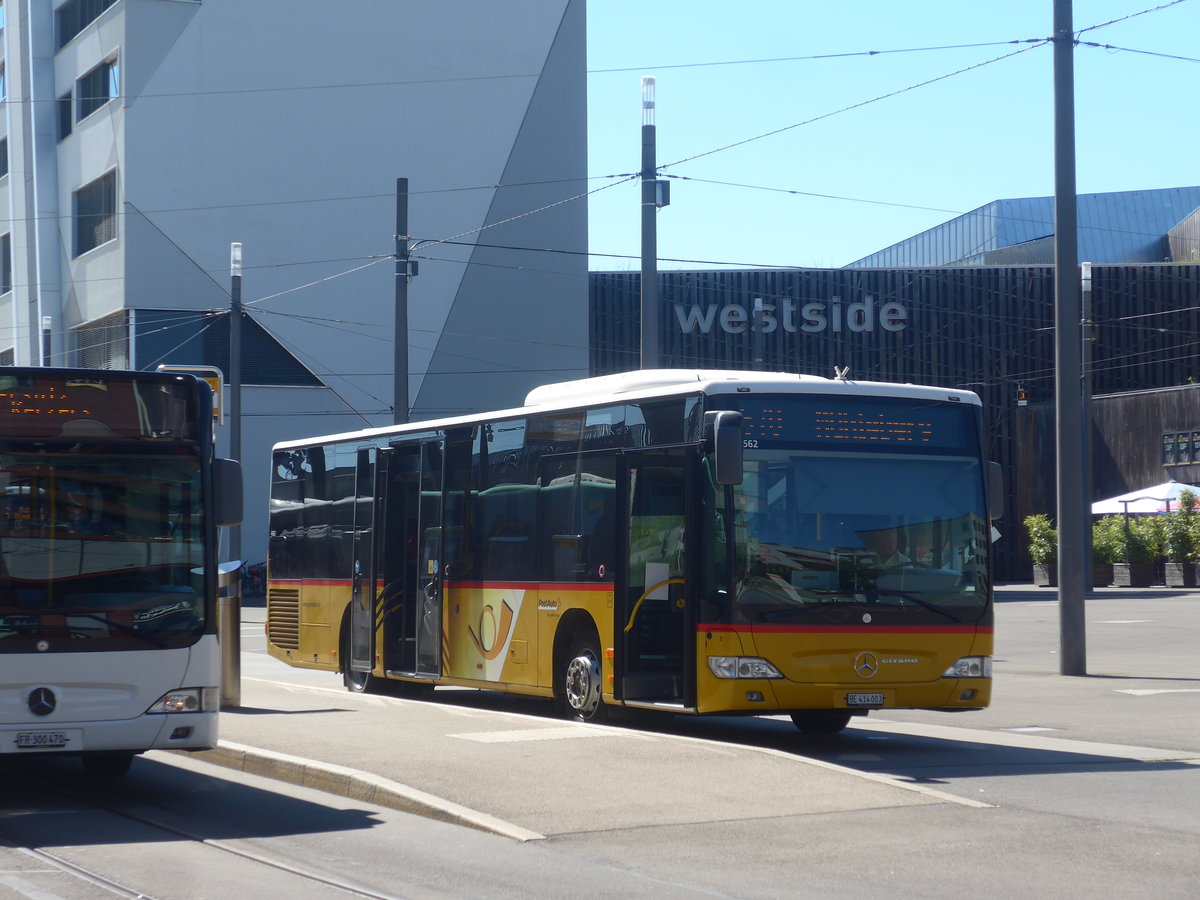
(833, 526)
(101, 547)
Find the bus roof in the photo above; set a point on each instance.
(657, 383)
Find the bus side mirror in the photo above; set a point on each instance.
(725, 428)
(227, 479)
(995, 490)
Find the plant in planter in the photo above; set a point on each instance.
(1043, 549)
(1143, 542)
(1107, 545)
(1179, 532)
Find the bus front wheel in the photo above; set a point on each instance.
(355, 682)
(581, 679)
(107, 763)
(820, 722)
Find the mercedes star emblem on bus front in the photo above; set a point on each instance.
(42, 701)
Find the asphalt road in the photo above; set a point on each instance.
(1066, 786)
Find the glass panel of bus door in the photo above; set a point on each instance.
(430, 533)
(362, 585)
(655, 615)
(397, 499)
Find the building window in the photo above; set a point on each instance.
(5, 263)
(3, 83)
(96, 214)
(3, 157)
(96, 88)
(76, 15)
(8, 357)
(65, 117)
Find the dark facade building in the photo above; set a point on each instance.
(984, 328)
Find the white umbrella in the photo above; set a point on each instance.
(1157, 499)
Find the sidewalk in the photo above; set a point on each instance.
(1016, 591)
(526, 776)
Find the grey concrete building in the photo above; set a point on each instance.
(141, 138)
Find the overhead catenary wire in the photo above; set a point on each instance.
(703, 262)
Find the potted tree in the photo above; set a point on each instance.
(1043, 549)
(1107, 545)
(1141, 542)
(1179, 532)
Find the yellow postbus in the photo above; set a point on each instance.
(695, 542)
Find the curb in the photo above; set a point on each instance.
(355, 785)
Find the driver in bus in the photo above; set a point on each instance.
(885, 544)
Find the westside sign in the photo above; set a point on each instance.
(815, 316)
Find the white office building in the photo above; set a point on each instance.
(141, 138)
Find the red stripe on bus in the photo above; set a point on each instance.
(841, 629)
(464, 585)
(530, 585)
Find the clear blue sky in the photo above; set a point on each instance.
(952, 145)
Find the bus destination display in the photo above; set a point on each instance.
(51, 406)
(815, 422)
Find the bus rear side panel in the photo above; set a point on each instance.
(304, 620)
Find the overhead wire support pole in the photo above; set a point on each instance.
(1068, 403)
(649, 282)
(400, 401)
(1087, 328)
(235, 378)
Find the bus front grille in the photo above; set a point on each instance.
(283, 618)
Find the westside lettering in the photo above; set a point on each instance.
(861, 316)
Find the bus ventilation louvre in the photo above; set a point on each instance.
(283, 623)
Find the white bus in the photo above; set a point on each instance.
(110, 498)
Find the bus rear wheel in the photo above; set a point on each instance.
(820, 722)
(581, 679)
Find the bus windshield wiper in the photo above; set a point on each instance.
(924, 604)
(808, 606)
(150, 637)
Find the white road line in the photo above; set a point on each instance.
(538, 734)
(1025, 741)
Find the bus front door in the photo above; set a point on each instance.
(654, 620)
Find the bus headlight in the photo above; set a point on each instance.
(742, 667)
(970, 667)
(186, 700)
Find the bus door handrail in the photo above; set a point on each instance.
(650, 590)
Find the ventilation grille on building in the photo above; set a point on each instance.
(104, 344)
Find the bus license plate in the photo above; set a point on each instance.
(45, 740)
(864, 699)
